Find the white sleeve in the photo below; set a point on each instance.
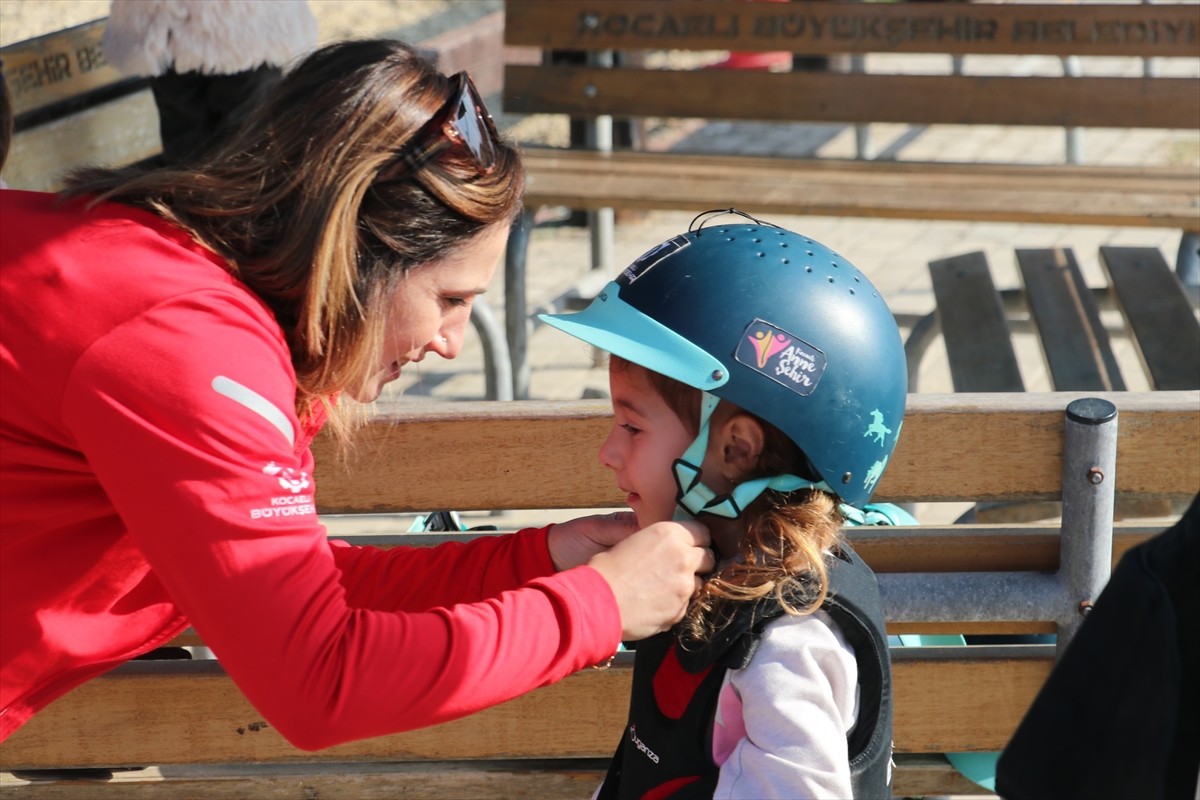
(781, 722)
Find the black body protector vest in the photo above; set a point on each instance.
(666, 751)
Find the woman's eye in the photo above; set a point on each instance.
(457, 302)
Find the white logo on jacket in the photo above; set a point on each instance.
(295, 482)
(294, 504)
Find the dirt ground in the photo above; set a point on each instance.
(336, 19)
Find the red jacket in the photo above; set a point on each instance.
(153, 473)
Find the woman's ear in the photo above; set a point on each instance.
(741, 442)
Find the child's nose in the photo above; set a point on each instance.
(608, 453)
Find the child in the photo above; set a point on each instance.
(758, 383)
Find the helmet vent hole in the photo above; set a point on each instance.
(808, 269)
(833, 264)
(786, 260)
(851, 291)
(831, 279)
(761, 254)
(757, 241)
(808, 252)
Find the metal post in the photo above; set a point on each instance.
(1074, 138)
(1089, 483)
(598, 136)
(1187, 261)
(862, 132)
(516, 318)
(496, 363)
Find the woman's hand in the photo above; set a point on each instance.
(654, 573)
(575, 542)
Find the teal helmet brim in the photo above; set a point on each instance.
(613, 325)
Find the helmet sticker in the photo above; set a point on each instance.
(874, 473)
(782, 357)
(877, 429)
(648, 259)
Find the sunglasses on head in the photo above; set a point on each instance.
(462, 121)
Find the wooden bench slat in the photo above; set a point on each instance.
(191, 712)
(526, 455)
(914, 775)
(1155, 306)
(818, 28)
(855, 97)
(974, 327)
(858, 170)
(1073, 339)
(428, 780)
(949, 191)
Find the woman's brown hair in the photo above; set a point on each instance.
(293, 202)
(783, 551)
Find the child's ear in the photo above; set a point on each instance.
(741, 446)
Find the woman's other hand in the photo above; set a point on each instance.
(575, 542)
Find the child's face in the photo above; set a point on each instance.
(646, 438)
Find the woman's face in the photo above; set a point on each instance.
(431, 307)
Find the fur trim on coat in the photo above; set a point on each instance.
(148, 37)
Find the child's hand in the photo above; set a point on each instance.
(654, 573)
(575, 542)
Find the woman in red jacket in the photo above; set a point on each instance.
(172, 341)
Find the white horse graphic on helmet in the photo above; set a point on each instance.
(877, 428)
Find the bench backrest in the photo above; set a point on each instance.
(1065, 30)
(540, 455)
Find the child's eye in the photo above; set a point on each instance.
(631, 430)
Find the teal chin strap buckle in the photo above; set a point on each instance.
(695, 498)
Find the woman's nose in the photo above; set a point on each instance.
(447, 344)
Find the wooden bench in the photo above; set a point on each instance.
(192, 733)
(770, 186)
(73, 109)
(978, 322)
(975, 320)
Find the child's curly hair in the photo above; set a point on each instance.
(783, 553)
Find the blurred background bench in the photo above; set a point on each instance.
(1039, 64)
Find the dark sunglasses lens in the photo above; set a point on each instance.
(473, 128)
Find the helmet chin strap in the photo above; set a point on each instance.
(695, 497)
